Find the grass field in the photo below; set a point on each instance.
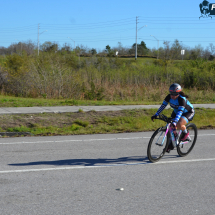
(11, 101)
(93, 122)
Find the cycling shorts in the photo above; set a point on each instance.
(188, 116)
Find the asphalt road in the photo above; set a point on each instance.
(64, 109)
(82, 175)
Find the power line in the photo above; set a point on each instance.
(98, 22)
(110, 30)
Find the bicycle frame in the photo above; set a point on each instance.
(175, 140)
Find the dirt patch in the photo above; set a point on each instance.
(207, 127)
(62, 119)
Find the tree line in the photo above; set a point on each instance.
(168, 51)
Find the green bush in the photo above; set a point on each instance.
(66, 75)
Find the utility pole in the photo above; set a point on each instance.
(136, 36)
(136, 40)
(38, 39)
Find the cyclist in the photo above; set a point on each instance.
(183, 110)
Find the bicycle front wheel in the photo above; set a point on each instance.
(184, 148)
(157, 145)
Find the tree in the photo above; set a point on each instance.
(197, 52)
(28, 47)
(176, 50)
(143, 45)
(49, 47)
(93, 51)
(211, 57)
(66, 48)
(20, 47)
(108, 49)
(166, 53)
(80, 50)
(141, 48)
(3, 50)
(207, 54)
(212, 48)
(120, 49)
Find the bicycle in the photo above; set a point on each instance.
(160, 140)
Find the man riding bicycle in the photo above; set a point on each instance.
(183, 110)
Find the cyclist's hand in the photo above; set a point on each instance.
(174, 124)
(153, 117)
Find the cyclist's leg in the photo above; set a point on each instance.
(181, 125)
(185, 118)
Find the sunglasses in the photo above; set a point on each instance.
(174, 94)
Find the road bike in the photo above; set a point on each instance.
(163, 136)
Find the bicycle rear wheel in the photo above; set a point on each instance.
(155, 149)
(184, 148)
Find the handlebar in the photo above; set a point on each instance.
(164, 118)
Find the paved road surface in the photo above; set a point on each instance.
(61, 109)
(82, 175)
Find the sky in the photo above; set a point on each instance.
(98, 23)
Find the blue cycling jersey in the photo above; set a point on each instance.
(180, 105)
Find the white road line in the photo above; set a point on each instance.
(104, 166)
(64, 141)
(87, 140)
(186, 161)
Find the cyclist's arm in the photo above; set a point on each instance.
(163, 106)
(180, 110)
(179, 113)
